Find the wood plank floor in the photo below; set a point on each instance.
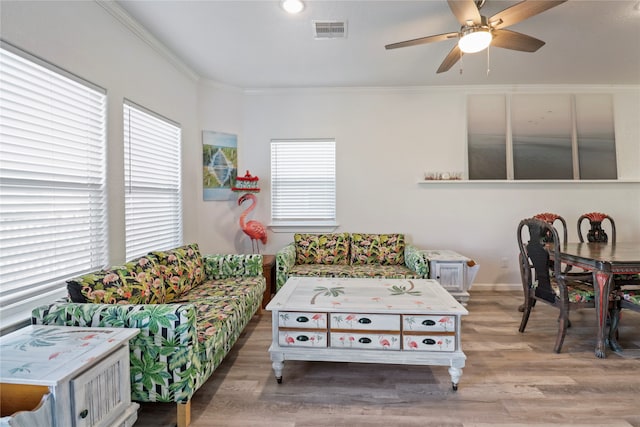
(510, 379)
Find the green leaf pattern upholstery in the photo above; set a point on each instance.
(378, 249)
(181, 343)
(578, 291)
(332, 248)
(136, 282)
(631, 295)
(378, 255)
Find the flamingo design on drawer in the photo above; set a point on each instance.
(412, 344)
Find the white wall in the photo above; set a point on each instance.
(386, 139)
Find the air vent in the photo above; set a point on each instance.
(329, 29)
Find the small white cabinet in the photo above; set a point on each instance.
(79, 376)
(453, 271)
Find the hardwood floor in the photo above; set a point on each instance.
(510, 379)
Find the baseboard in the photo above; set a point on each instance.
(496, 287)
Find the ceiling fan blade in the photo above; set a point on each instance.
(521, 11)
(465, 10)
(422, 40)
(515, 41)
(451, 59)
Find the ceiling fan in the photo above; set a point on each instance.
(478, 32)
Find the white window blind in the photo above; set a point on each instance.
(303, 182)
(153, 199)
(52, 181)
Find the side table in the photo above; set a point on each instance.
(269, 273)
(82, 372)
(455, 272)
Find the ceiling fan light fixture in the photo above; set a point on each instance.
(292, 6)
(474, 40)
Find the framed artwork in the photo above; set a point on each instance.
(219, 165)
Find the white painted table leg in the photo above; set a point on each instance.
(455, 373)
(278, 365)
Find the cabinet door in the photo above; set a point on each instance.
(449, 274)
(102, 393)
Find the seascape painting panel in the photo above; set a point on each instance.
(220, 164)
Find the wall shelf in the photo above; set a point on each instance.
(526, 181)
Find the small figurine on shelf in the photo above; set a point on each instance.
(254, 229)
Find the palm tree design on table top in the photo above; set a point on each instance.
(401, 290)
(327, 292)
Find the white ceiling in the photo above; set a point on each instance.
(255, 44)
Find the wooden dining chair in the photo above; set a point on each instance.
(552, 219)
(627, 298)
(543, 280)
(596, 233)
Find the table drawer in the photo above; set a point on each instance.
(365, 341)
(363, 321)
(302, 319)
(435, 323)
(429, 342)
(301, 338)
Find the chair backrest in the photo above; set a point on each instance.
(551, 219)
(535, 266)
(596, 233)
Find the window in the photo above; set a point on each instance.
(303, 183)
(52, 182)
(153, 197)
(541, 136)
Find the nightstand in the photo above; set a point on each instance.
(455, 272)
(269, 273)
(80, 374)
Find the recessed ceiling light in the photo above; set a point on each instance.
(292, 6)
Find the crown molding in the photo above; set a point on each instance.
(143, 34)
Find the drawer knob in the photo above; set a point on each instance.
(302, 338)
(364, 340)
(428, 341)
(364, 321)
(302, 319)
(428, 322)
(84, 414)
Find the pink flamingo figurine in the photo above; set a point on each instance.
(254, 229)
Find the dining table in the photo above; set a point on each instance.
(603, 260)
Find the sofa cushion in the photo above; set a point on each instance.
(182, 269)
(328, 249)
(362, 271)
(631, 295)
(224, 300)
(382, 249)
(232, 265)
(136, 282)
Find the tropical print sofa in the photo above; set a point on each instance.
(190, 310)
(350, 255)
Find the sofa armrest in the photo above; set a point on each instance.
(163, 356)
(159, 323)
(285, 260)
(222, 266)
(416, 260)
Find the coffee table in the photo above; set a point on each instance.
(397, 321)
